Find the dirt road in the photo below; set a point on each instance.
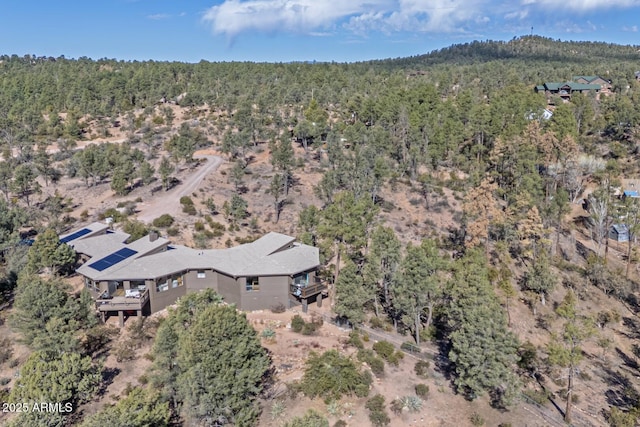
(169, 202)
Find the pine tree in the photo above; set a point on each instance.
(165, 170)
(483, 352)
(208, 357)
(140, 408)
(381, 264)
(351, 295)
(47, 252)
(416, 286)
(565, 349)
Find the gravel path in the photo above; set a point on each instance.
(169, 202)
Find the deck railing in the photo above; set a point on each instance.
(308, 288)
(117, 303)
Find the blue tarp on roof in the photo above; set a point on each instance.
(631, 193)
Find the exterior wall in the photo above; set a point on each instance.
(160, 300)
(273, 290)
(193, 283)
(229, 288)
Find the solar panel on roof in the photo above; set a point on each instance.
(113, 259)
(75, 235)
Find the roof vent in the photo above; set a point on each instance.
(153, 236)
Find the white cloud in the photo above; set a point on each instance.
(158, 16)
(583, 5)
(518, 14)
(323, 17)
(632, 29)
(233, 17)
(303, 16)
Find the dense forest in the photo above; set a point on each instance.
(518, 294)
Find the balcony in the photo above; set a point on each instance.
(132, 300)
(307, 288)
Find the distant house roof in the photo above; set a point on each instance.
(590, 79)
(544, 114)
(273, 254)
(568, 86)
(620, 228)
(631, 193)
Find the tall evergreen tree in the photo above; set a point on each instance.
(483, 352)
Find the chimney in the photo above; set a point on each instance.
(153, 236)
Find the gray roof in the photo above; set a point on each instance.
(620, 228)
(94, 228)
(273, 254)
(101, 245)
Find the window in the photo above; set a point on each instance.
(253, 284)
(301, 279)
(162, 286)
(201, 274)
(90, 284)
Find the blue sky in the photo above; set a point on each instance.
(296, 30)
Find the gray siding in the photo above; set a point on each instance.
(160, 300)
(273, 290)
(229, 288)
(193, 283)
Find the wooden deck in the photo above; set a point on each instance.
(306, 291)
(123, 303)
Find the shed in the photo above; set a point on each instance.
(619, 233)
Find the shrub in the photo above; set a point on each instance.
(198, 226)
(186, 200)
(538, 396)
(377, 414)
(354, 340)
(422, 390)
(476, 419)
(309, 328)
(6, 350)
(331, 375)
(619, 418)
(396, 406)
(375, 363)
(189, 209)
(278, 308)
(5, 381)
(163, 221)
(125, 351)
(388, 352)
(410, 347)
(376, 403)
(297, 323)
(377, 323)
(143, 379)
(410, 403)
(379, 418)
(173, 231)
(340, 423)
(268, 334)
(278, 409)
(310, 419)
(384, 349)
(187, 205)
(422, 368)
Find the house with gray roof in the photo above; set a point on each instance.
(148, 274)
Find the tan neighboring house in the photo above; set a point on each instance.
(149, 274)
